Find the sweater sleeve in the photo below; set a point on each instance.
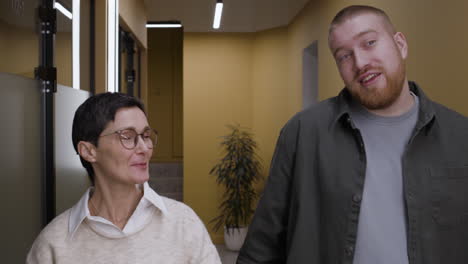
(41, 252)
(199, 241)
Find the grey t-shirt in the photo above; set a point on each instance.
(381, 236)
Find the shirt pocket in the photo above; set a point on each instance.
(450, 196)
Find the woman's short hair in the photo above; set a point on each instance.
(92, 117)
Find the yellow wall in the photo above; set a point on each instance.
(216, 93)
(63, 58)
(100, 46)
(270, 88)
(19, 50)
(133, 15)
(165, 92)
(263, 71)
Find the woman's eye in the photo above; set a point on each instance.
(371, 42)
(127, 135)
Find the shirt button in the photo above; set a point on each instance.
(349, 251)
(357, 198)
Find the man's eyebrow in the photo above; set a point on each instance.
(364, 33)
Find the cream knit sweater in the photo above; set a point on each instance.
(177, 237)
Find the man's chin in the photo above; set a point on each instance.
(372, 98)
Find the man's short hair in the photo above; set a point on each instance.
(92, 117)
(354, 10)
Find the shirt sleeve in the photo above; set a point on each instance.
(266, 238)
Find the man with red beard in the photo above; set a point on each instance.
(376, 175)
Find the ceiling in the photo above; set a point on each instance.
(195, 15)
(238, 15)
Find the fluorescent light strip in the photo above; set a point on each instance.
(116, 51)
(76, 44)
(63, 10)
(163, 25)
(112, 45)
(217, 16)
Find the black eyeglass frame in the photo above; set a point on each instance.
(137, 136)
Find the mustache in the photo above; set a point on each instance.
(366, 69)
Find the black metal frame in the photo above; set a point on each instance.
(121, 49)
(139, 74)
(46, 73)
(127, 45)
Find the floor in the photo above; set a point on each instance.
(227, 256)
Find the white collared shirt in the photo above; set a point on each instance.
(141, 216)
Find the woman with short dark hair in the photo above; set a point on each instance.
(120, 219)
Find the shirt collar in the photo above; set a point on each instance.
(154, 198)
(80, 210)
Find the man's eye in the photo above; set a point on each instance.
(343, 57)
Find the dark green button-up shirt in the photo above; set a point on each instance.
(310, 207)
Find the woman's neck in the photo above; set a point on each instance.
(115, 203)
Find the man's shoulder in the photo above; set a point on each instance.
(449, 116)
(317, 115)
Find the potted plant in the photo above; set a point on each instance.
(237, 171)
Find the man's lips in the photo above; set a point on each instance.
(368, 78)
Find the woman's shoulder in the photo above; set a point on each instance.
(57, 229)
(177, 208)
(53, 235)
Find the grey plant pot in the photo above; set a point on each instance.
(235, 238)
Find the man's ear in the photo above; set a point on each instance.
(401, 43)
(87, 151)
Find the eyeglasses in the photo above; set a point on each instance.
(129, 137)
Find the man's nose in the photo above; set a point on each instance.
(361, 60)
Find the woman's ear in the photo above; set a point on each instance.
(87, 151)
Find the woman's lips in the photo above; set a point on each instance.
(143, 165)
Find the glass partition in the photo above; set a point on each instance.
(20, 147)
(20, 163)
(71, 180)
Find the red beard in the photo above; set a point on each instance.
(374, 98)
